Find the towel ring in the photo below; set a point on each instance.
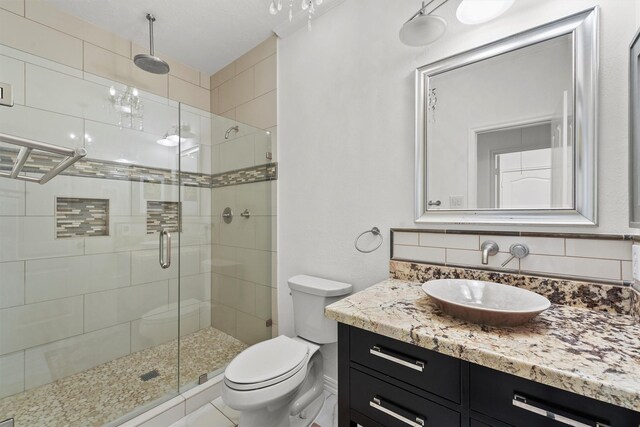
(376, 232)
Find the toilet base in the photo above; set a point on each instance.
(272, 417)
(310, 413)
(279, 417)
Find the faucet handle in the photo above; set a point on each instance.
(517, 250)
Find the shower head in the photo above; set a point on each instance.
(150, 62)
(235, 128)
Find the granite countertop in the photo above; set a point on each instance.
(588, 352)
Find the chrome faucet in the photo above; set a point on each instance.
(489, 247)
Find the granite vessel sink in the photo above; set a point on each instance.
(486, 302)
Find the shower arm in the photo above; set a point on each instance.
(421, 11)
(235, 128)
(151, 19)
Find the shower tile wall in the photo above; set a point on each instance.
(61, 297)
(245, 252)
(67, 304)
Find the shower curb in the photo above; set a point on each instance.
(178, 407)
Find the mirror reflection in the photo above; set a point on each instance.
(500, 131)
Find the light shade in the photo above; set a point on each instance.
(168, 142)
(422, 30)
(473, 12)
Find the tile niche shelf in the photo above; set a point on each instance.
(78, 217)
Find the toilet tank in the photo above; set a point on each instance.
(310, 296)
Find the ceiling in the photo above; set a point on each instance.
(204, 34)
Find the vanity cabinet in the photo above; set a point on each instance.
(386, 382)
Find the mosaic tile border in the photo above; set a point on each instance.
(81, 217)
(266, 172)
(595, 296)
(40, 163)
(162, 215)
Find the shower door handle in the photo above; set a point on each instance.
(165, 263)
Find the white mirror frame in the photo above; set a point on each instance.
(584, 28)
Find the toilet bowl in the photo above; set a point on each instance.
(280, 382)
(274, 381)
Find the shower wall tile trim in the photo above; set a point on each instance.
(40, 163)
(78, 217)
(266, 172)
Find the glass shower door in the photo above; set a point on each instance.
(88, 316)
(229, 226)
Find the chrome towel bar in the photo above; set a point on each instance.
(27, 146)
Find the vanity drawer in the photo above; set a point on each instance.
(433, 372)
(525, 403)
(394, 407)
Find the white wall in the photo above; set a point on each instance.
(346, 131)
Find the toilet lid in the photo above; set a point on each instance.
(266, 360)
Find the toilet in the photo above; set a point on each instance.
(280, 382)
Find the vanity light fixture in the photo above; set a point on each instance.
(472, 12)
(423, 28)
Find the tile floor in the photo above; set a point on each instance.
(109, 391)
(217, 414)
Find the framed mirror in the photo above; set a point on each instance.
(634, 133)
(506, 133)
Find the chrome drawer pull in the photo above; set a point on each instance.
(417, 365)
(521, 402)
(375, 403)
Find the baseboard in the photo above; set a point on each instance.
(330, 385)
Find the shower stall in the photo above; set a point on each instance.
(121, 280)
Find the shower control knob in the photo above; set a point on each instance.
(227, 215)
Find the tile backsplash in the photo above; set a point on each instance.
(600, 258)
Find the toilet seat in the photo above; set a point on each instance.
(267, 363)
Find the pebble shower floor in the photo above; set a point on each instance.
(106, 392)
